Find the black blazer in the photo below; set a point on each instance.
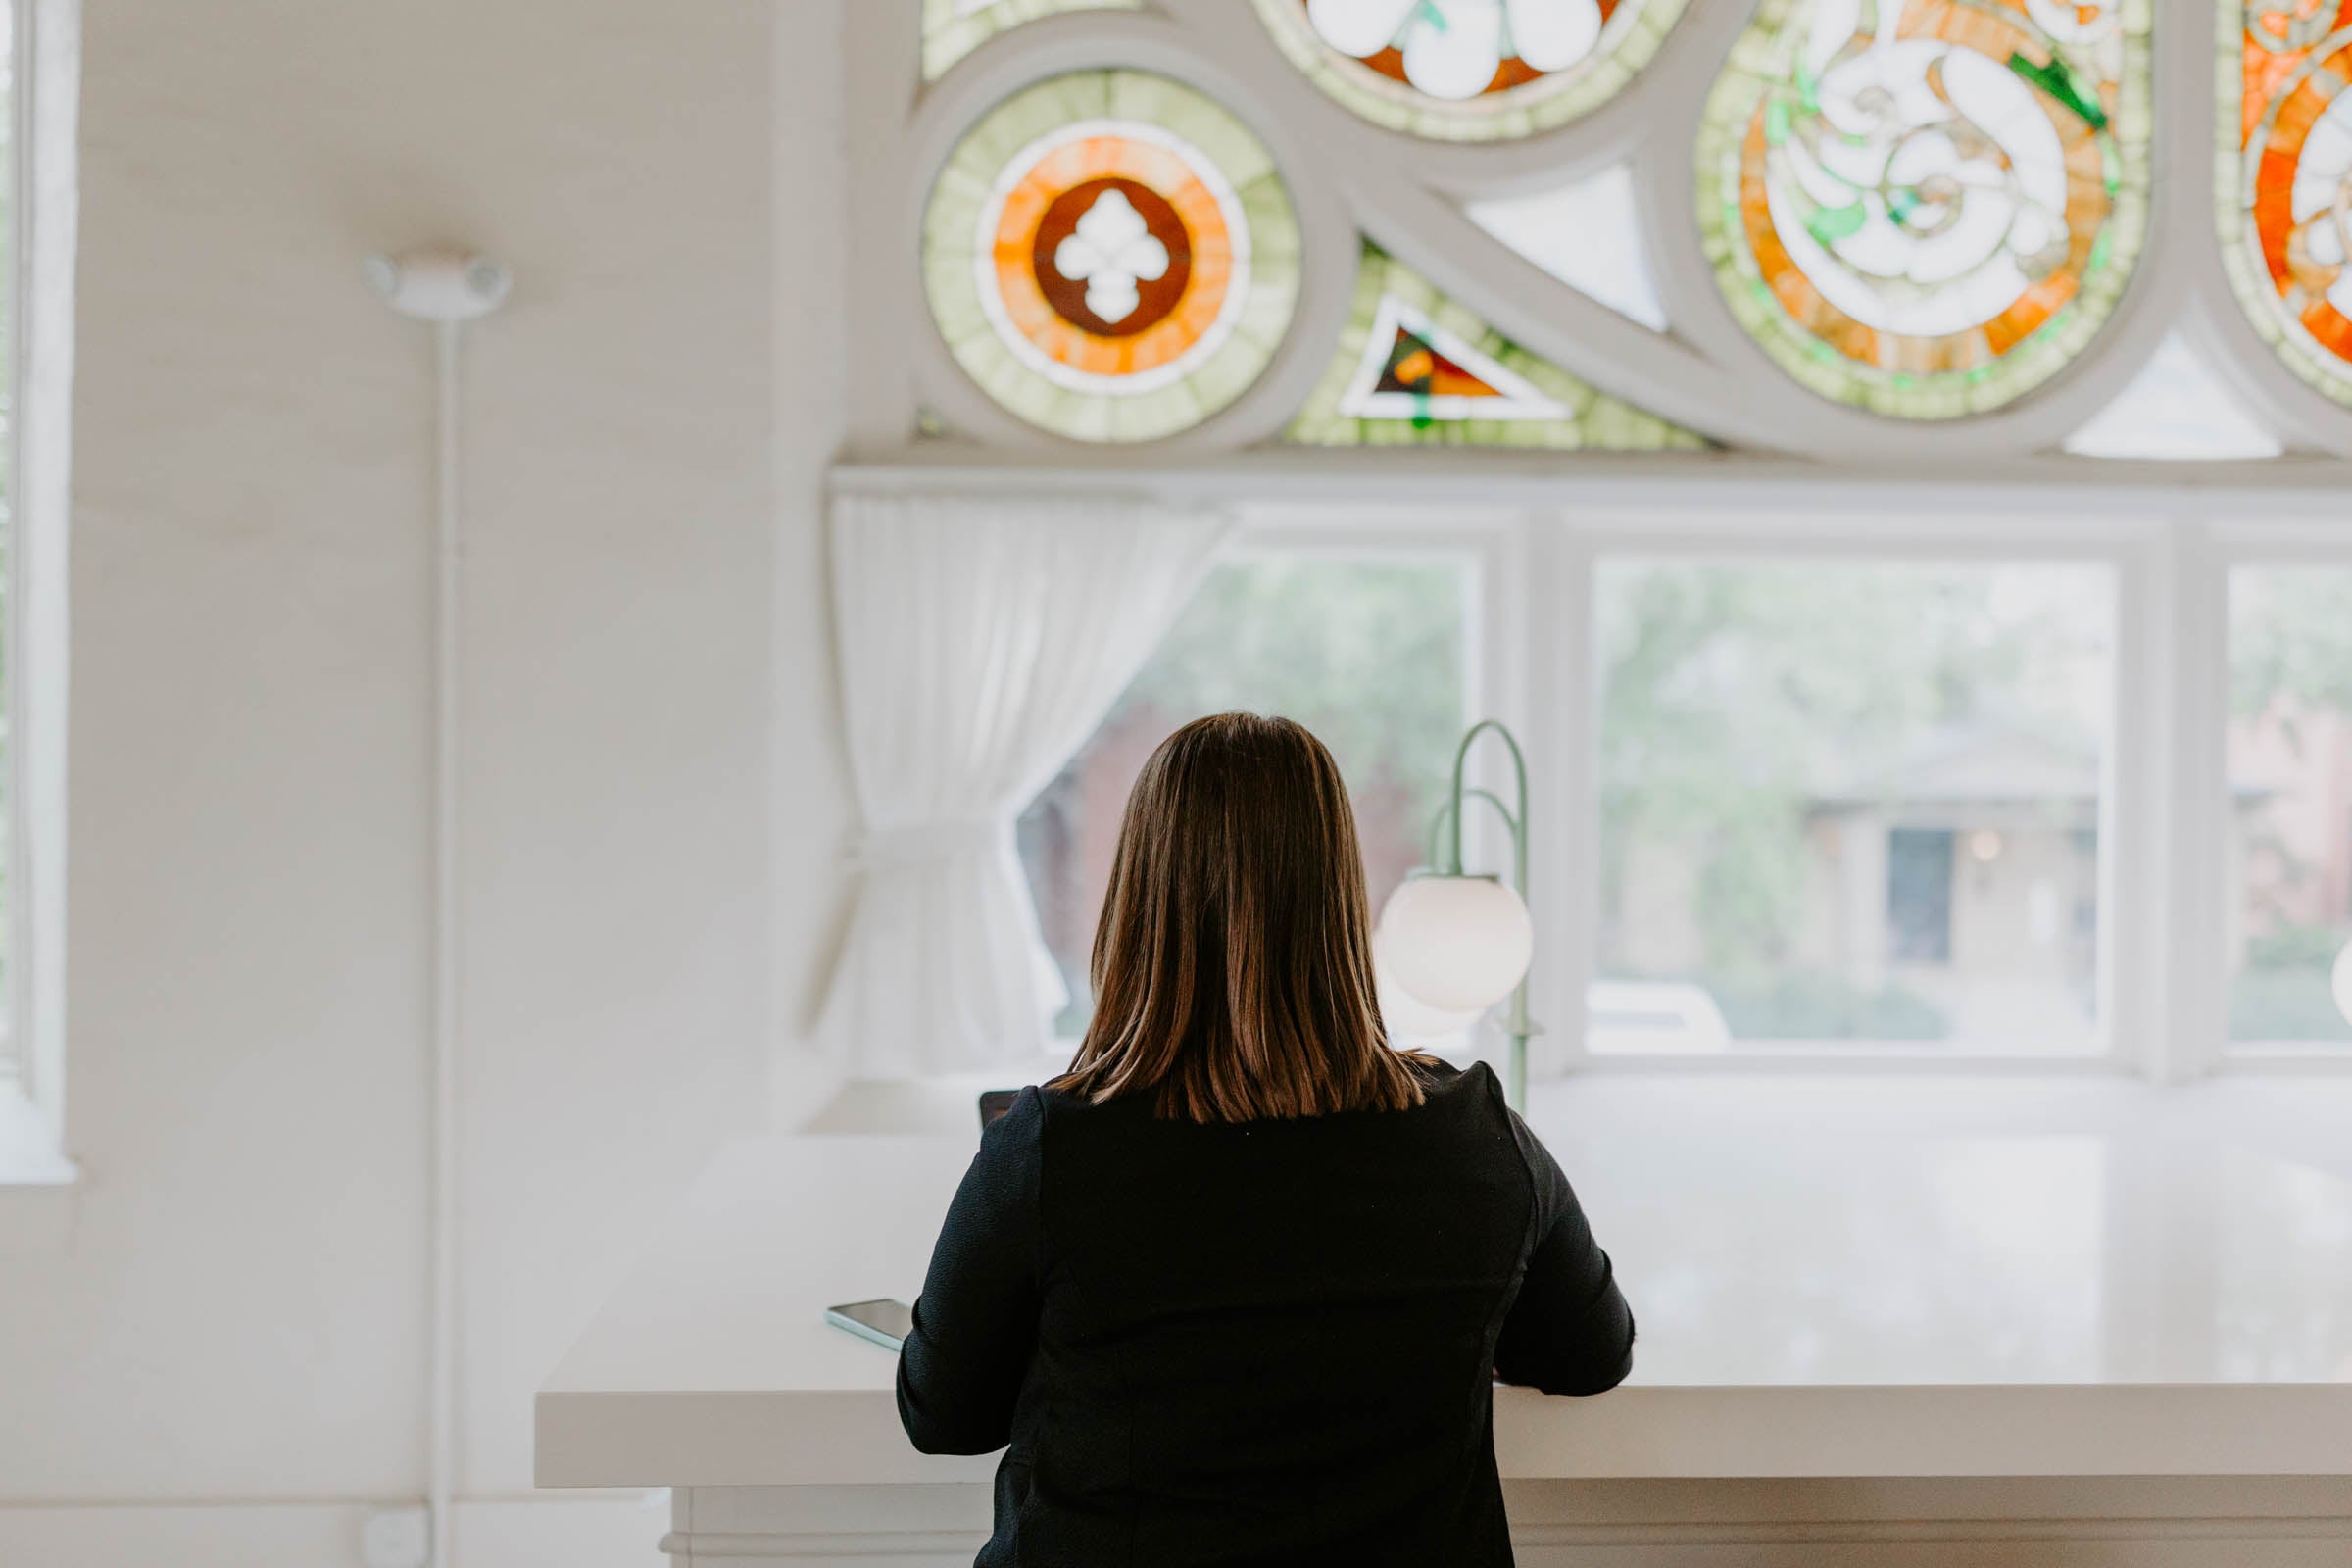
(1257, 1343)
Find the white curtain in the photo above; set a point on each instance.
(981, 640)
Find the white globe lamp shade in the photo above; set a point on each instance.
(1457, 944)
(2340, 981)
(1408, 1016)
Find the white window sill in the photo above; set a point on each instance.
(38, 1185)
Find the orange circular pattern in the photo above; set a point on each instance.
(2304, 281)
(1085, 161)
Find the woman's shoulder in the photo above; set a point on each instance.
(1471, 1087)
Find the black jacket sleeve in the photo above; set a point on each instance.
(975, 1323)
(1569, 1331)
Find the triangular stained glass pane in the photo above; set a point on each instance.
(2174, 409)
(1588, 234)
(1414, 366)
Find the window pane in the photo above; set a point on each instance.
(2177, 409)
(1850, 802)
(1371, 655)
(2289, 842)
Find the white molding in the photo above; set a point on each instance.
(2300, 491)
(2228, 1539)
(594, 1529)
(2138, 809)
(1568, 854)
(2019, 1532)
(2193, 694)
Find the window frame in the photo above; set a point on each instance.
(2170, 545)
(18, 1068)
(2118, 544)
(45, 220)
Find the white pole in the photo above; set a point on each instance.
(446, 288)
(442, 1442)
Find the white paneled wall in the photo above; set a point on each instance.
(237, 1323)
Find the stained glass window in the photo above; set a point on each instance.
(1927, 210)
(1416, 368)
(1110, 256)
(1588, 234)
(1469, 69)
(2284, 193)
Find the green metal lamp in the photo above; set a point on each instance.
(1454, 943)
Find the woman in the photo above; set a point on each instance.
(1236, 1287)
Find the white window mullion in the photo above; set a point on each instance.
(2184, 669)
(1565, 868)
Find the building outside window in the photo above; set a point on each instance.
(1851, 802)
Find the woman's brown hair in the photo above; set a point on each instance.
(1232, 964)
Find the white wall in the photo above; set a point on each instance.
(647, 722)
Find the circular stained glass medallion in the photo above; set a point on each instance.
(2286, 213)
(1469, 69)
(1928, 212)
(1112, 256)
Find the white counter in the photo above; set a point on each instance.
(1895, 1278)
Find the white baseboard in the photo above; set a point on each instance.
(598, 1529)
(592, 1530)
(1925, 1543)
(625, 1530)
(232, 1534)
(1944, 1544)
(2180, 1521)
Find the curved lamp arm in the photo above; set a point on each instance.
(1516, 1025)
(1444, 814)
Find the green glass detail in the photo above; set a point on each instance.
(1830, 225)
(1397, 314)
(953, 28)
(2053, 78)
